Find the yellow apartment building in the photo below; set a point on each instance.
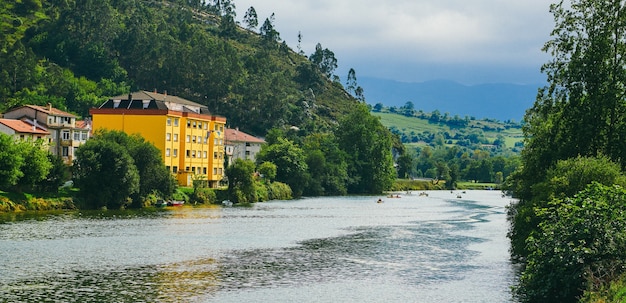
(190, 138)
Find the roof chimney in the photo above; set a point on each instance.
(50, 107)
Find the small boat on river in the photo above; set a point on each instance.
(175, 203)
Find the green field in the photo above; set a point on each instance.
(512, 133)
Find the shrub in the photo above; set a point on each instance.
(203, 195)
(279, 191)
(579, 240)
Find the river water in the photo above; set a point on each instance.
(439, 248)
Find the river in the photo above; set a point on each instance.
(439, 248)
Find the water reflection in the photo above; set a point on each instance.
(182, 256)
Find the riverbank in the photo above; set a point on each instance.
(19, 202)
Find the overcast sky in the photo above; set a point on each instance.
(469, 41)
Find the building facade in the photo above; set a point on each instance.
(22, 130)
(66, 134)
(240, 145)
(190, 138)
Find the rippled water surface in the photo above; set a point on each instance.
(438, 248)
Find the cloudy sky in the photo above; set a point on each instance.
(469, 41)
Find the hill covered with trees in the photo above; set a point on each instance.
(76, 53)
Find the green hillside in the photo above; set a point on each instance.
(419, 129)
(76, 53)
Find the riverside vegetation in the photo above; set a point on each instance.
(567, 228)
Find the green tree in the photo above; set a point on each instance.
(36, 165)
(325, 60)
(241, 187)
(267, 171)
(580, 243)
(267, 30)
(153, 175)
(406, 165)
(11, 160)
(291, 167)
(58, 174)
(105, 174)
(251, 19)
(368, 147)
(582, 110)
(327, 166)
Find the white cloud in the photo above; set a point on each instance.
(463, 32)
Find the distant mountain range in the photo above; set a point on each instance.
(502, 101)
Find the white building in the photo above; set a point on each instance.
(66, 134)
(240, 145)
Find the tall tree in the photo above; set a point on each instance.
(11, 161)
(268, 32)
(290, 161)
(582, 111)
(368, 145)
(325, 60)
(105, 174)
(251, 19)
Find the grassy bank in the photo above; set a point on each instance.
(17, 202)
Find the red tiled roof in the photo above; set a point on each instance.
(234, 135)
(82, 124)
(23, 127)
(50, 111)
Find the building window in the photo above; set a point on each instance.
(214, 155)
(65, 151)
(188, 123)
(175, 121)
(188, 138)
(175, 152)
(204, 170)
(215, 170)
(193, 139)
(175, 169)
(168, 137)
(206, 126)
(187, 168)
(76, 136)
(175, 137)
(219, 171)
(194, 124)
(193, 153)
(169, 121)
(84, 135)
(167, 152)
(168, 168)
(65, 134)
(188, 153)
(204, 155)
(193, 169)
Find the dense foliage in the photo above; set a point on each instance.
(24, 164)
(74, 54)
(575, 134)
(580, 240)
(114, 170)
